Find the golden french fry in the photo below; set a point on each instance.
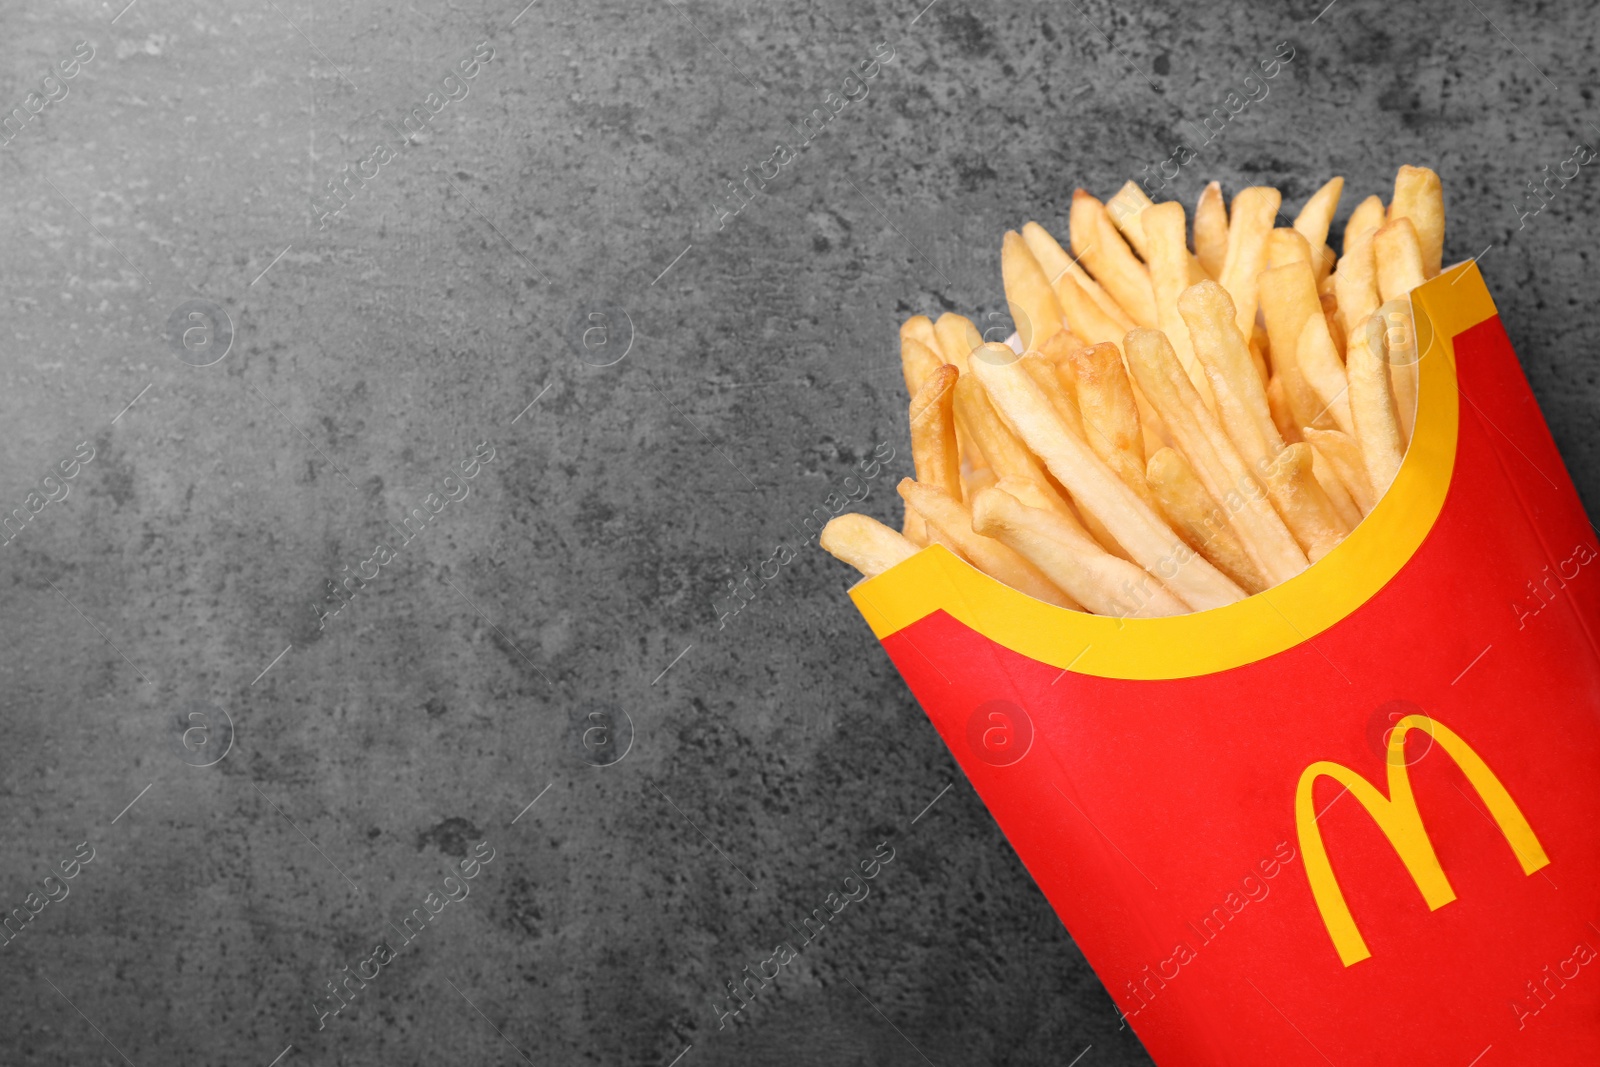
(1102, 250)
(1330, 313)
(1398, 342)
(1254, 211)
(1002, 452)
(1314, 220)
(1419, 197)
(1097, 490)
(1151, 428)
(865, 543)
(1110, 414)
(1344, 456)
(1058, 351)
(957, 338)
(1102, 582)
(1211, 229)
(919, 358)
(1288, 299)
(1399, 259)
(954, 339)
(1035, 495)
(1241, 399)
(1086, 303)
(1035, 311)
(1125, 211)
(1007, 456)
(973, 464)
(1334, 486)
(1355, 280)
(1305, 508)
(1105, 398)
(1045, 375)
(1086, 316)
(951, 518)
(1196, 433)
(934, 452)
(920, 328)
(1286, 245)
(1400, 270)
(914, 528)
(917, 362)
(1165, 233)
(1322, 369)
(975, 480)
(1258, 350)
(1041, 496)
(1199, 519)
(1053, 372)
(1282, 417)
(1368, 215)
(1377, 419)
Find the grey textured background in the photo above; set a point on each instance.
(373, 355)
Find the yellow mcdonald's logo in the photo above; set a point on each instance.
(1398, 818)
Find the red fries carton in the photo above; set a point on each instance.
(1354, 819)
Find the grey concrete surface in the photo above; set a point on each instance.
(175, 586)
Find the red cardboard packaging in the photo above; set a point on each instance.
(1354, 819)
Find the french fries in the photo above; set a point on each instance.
(1211, 229)
(1249, 226)
(1168, 256)
(918, 357)
(865, 543)
(1089, 310)
(951, 518)
(934, 451)
(1400, 269)
(919, 328)
(1419, 197)
(1200, 520)
(1125, 210)
(1305, 508)
(1368, 215)
(1006, 455)
(1313, 221)
(957, 337)
(1146, 448)
(1377, 419)
(1104, 583)
(1288, 299)
(1241, 399)
(1220, 468)
(1109, 414)
(1344, 456)
(1034, 307)
(1097, 490)
(1399, 256)
(1100, 248)
(1355, 280)
(1339, 496)
(1323, 370)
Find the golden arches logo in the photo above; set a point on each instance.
(1397, 816)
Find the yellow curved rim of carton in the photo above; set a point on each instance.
(1204, 642)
